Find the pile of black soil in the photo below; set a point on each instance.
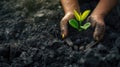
(30, 37)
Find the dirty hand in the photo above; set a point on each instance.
(99, 25)
(64, 24)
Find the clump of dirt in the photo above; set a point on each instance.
(30, 37)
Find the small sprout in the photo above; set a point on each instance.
(84, 15)
(85, 26)
(73, 23)
(77, 23)
(77, 16)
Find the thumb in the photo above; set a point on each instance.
(64, 24)
(99, 32)
(64, 28)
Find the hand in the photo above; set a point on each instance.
(98, 24)
(64, 24)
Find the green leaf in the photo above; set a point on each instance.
(73, 23)
(84, 15)
(86, 25)
(77, 16)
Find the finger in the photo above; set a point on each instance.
(92, 21)
(64, 30)
(99, 32)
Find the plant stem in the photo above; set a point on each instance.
(79, 24)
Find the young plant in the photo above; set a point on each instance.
(79, 18)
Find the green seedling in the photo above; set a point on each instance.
(79, 18)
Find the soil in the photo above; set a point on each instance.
(30, 37)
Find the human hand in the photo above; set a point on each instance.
(64, 24)
(99, 25)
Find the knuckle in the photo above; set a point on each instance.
(89, 19)
(64, 20)
(63, 23)
(92, 21)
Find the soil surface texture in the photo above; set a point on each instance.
(30, 37)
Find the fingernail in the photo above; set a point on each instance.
(63, 36)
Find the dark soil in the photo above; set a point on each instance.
(30, 37)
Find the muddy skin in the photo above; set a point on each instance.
(99, 28)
